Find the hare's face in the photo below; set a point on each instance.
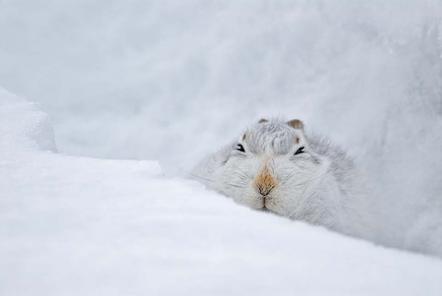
(271, 167)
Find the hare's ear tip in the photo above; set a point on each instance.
(296, 123)
(262, 120)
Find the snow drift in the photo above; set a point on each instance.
(83, 226)
(174, 80)
(23, 125)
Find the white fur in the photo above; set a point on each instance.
(319, 186)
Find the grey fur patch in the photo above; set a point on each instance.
(271, 136)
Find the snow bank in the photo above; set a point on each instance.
(26, 131)
(84, 226)
(23, 125)
(174, 80)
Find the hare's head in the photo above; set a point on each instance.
(271, 166)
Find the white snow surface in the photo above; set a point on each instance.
(83, 226)
(173, 80)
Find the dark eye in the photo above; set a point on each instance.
(240, 147)
(300, 150)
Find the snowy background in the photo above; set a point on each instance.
(171, 81)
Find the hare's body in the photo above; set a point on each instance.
(275, 166)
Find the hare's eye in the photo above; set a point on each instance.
(300, 150)
(240, 147)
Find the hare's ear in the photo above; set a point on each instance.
(262, 120)
(296, 123)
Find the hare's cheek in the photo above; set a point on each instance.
(280, 200)
(280, 207)
(275, 208)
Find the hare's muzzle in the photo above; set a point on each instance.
(265, 181)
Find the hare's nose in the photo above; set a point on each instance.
(265, 182)
(264, 191)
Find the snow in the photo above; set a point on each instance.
(175, 80)
(23, 125)
(73, 225)
(171, 81)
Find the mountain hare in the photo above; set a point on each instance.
(274, 166)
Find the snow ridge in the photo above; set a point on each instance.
(84, 226)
